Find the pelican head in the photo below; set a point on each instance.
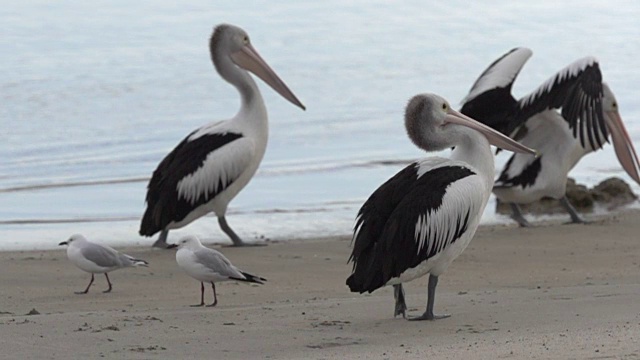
(433, 125)
(622, 143)
(235, 43)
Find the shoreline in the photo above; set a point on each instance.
(500, 221)
(551, 291)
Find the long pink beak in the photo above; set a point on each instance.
(494, 137)
(623, 145)
(249, 59)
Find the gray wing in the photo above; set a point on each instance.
(218, 263)
(104, 256)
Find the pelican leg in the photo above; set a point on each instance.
(575, 217)
(201, 295)
(431, 295)
(234, 237)
(108, 282)
(516, 214)
(401, 306)
(88, 286)
(215, 298)
(162, 240)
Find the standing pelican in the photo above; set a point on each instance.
(421, 219)
(212, 164)
(588, 113)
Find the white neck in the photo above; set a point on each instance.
(252, 105)
(475, 150)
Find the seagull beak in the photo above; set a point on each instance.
(494, 137)
(63, 243)
(172, 246)
(249, 59)
(623, 145)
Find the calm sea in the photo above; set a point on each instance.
(94, 94)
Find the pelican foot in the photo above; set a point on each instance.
(516, 215)
(197, 305)
(160, 245)
(575, 216)
(427, 316)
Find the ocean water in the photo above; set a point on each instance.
(93, 95)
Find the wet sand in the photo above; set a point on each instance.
(553, 291)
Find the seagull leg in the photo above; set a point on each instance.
(401, 306)
(201, 295)
(108, 282)
(215, 297)
(234, 237)
(431, 295)
(575, 217)
(516, 214)
(88, 286)
(162, 240)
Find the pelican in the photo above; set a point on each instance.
(422, 218)
(212, 164)
(567, 117)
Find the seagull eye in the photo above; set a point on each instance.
(444, 106)
(245, 40)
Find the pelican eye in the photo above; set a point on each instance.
(444, 106)
(245, 40)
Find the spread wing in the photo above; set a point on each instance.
(490, 100)
(577, 92)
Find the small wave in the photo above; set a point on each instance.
(73, 184)
(332, 166)
(65, 221)
(327, 207)
(278, 171)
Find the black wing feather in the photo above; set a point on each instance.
(384, 241)
(163, 203)
(525, 178)
(494, 105)
(577, 91)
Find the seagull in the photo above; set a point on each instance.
(570, 115)
(422, 218)
(210, 166)
(208, 265)
(97, 259)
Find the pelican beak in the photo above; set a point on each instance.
(63, 243)
(249, 59)
(623, 145)
(494, 137)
